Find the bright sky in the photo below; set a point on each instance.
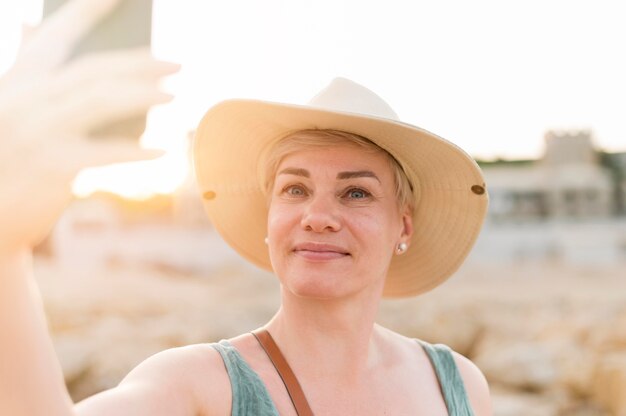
(489, 75)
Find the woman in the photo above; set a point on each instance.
(343, 201)
(309, 192)
(359, 205)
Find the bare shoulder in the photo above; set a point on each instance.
(196, 373)
(188, 380)
(475, 385)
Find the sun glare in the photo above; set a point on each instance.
(141, 180)
(138, 180)
(534, 83)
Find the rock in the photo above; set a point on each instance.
(73, 356)
(526, 366)
(554, 342)
(514, 403)
(609, 332)
(609, 387)
(575, 366)
(458, 327)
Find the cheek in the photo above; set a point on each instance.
(374, 226)
(278, 220)
(281, 224)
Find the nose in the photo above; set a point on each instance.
(321, 215)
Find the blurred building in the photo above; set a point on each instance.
(567, 207)
(572, 181)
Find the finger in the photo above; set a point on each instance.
(40, 116)
(53, 41)
(100, 104)
(98, 153)
(135, 63)
(62, 156)
(77, 92)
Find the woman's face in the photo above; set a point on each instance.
(334, 221)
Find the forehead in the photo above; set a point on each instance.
(339, 157)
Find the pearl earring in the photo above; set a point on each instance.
(267, 240)
(401, 249)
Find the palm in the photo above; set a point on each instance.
(48, 108)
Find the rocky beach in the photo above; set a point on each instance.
(550, 339)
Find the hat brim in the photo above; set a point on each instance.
(234, 134)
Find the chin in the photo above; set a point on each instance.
(318, 291)
(320, 284)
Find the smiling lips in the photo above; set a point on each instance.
(320, 251)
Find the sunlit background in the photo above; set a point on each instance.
(535, 90)
(491, 76)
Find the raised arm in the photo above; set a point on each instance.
(47, 109)
(31, 382)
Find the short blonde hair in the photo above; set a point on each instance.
(316, 138)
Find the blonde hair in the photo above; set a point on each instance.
(316, 138)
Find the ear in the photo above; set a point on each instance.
(407, 228)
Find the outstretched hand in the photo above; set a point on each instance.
(48, 107)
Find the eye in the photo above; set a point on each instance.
(294, 190)
(357, 193)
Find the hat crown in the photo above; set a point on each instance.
(348, 96)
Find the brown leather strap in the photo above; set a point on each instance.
(289, 379)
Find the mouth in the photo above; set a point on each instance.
(320, 251)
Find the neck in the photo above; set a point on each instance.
(330, 336)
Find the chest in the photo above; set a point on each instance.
(394, 393)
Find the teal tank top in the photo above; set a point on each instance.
(251, 398)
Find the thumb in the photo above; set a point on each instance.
(104, 152)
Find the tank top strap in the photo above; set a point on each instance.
(450, 381)
(250, 396)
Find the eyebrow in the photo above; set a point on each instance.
(341, 175)
(295, 171)
(357, 174)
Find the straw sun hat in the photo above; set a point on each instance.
(450, 197)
